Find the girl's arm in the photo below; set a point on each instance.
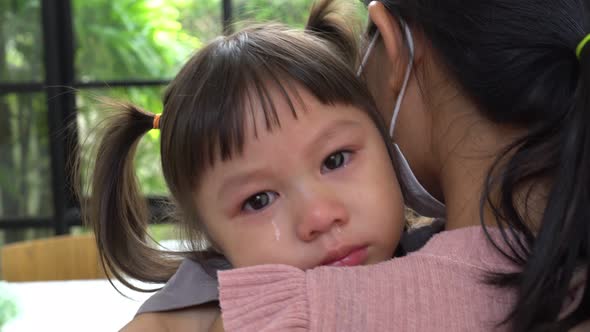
(217, 325)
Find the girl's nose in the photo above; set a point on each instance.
(319, 214)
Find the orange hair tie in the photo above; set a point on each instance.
(157, 121)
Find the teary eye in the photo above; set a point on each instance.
(336, 160)
(259, 201)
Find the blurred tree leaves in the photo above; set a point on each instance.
(20, 41)
(291, 12)
(130, 39)
(24, 138)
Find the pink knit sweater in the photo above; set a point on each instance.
(438, 288)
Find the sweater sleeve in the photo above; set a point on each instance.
(441, 287)
(264, 298)
(284, 298)
(425, 294)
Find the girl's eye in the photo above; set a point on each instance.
(336, 160)
(259, 201)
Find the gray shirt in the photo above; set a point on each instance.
(192, 284)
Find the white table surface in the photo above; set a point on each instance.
(78, 305)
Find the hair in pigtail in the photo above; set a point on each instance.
(562, 247)
(578, 227)
(117, 210)
(332, 20)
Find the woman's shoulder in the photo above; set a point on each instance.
(472, 247)
(197, 318)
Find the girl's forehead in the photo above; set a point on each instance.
(291, 106)
(268, 107)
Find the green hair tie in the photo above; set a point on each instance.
(581, 45)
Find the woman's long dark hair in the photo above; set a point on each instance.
(517, 60)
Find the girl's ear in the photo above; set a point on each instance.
(393, 41)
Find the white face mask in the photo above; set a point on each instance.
(416, 196)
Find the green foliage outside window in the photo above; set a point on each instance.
(291, 12)
(24, 138)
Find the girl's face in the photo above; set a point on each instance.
(319, 190)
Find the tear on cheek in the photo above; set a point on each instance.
(277, 231)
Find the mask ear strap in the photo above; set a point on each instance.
(400, 97)
(367, 53)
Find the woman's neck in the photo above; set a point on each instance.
(469, 146)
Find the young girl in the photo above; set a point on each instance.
(273, 152)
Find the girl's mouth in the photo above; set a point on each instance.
(346, 256)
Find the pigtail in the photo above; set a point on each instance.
(333, 21)
(562, 246)
(116, 209)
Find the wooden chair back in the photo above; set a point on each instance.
(66, 257)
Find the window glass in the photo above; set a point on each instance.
(140, 39)
(25, 163)
(20, 41)
(291, 12)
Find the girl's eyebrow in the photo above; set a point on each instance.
(245, 176)
(329, 131)
(239, 179)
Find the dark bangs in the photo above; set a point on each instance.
(207, 105)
